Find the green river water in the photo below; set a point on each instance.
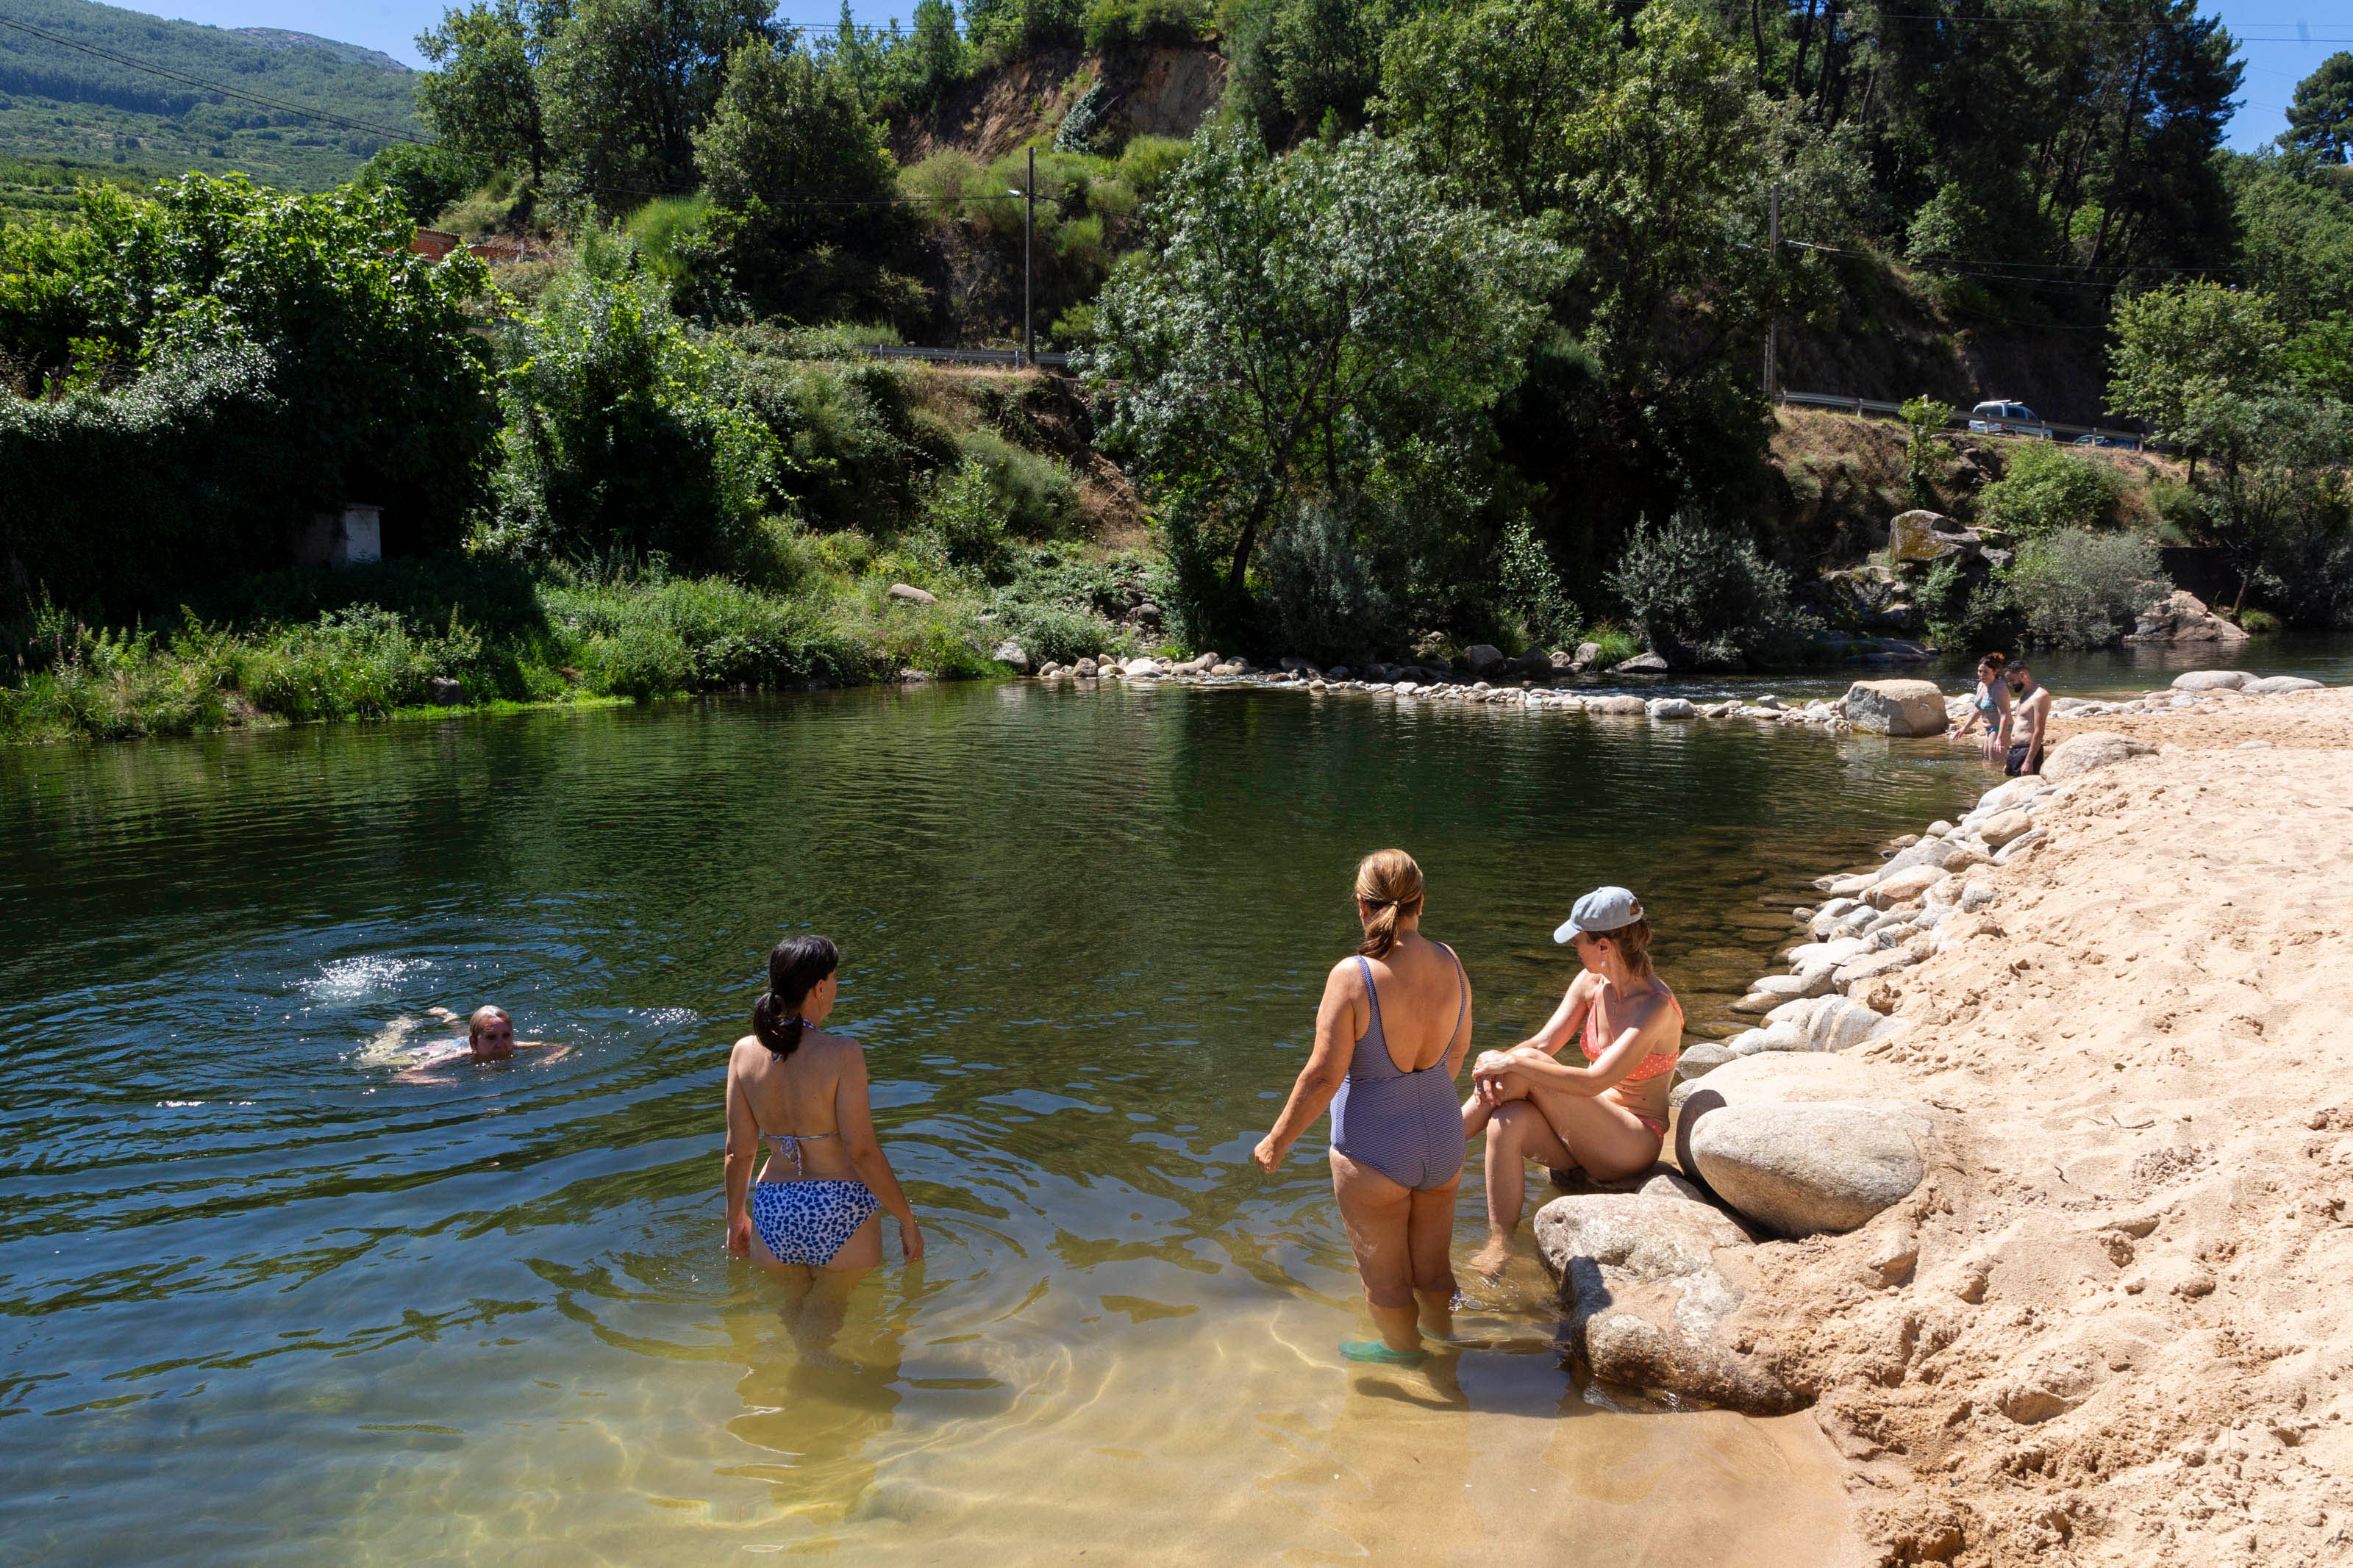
(265, 1303)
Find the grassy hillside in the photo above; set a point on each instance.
(58, 103)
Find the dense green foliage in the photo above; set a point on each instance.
(1702, 595)
(2075, 588)
(2320, 120)
(2045, 491)
(614, 444)
(804, 190)
(61, 102)
(1310, 352)
(219, 365)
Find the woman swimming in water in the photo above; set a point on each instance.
(1609, 1116)
(1391, 1035)
(791, 1084)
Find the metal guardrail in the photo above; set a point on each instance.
(1864, 408)
(965, 356)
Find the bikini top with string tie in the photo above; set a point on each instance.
(790, 1142)
(1650, 1067)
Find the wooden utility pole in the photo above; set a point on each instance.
(1029, 270)
(1773, 322)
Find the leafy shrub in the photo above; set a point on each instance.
(2080, 589)
(854, 449)
(362, 663)
(1531, 586)
(292, 355)
(1962, 611)
(1036, 495)
(425, 176)
(615, 439)
(1114, 25)
(2045, 491)
(1319, 589)
(1699, 591)
(1924, 421)
(966, 517)
(1052, 632)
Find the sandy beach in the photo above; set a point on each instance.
(2124, 1339)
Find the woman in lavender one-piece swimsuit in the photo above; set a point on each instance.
(1391, 1035)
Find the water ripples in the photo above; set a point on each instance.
(265, 1293)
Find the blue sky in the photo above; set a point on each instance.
(2277, 49)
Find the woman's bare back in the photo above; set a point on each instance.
(1420, 991)
(796, 1095)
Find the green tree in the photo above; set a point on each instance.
(482, 96)
(1702, 595)
(804, 190)
(1296, 61)
(1483, 92)
(627, 83)
(2295, 233)
(301, 357)
(2320, 120)
(2184, 341)
(1315, 326)
(615, 441)
(426, 177)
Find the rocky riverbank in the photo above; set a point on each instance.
(2031, 1179)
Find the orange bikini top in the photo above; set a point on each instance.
(1650, 1067)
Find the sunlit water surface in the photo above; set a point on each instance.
(265, 1303)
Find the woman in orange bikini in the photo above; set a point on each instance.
(1609, 1116)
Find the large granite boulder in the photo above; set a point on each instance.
(1920, 538)
(2091, 749)
(1671, 708)
(2212, 681)
(909, 594)
(1481, 657)
(1895, 707)
(1803, 1169)
(1630, 707)
(1648, 1298)
(1640, 664)
(2182, 616)
(2273, 685)
(1010, 652)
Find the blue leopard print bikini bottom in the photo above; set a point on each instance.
(808, 1222)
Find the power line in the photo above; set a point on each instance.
(185, 80)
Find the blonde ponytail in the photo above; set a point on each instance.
(1389, 882)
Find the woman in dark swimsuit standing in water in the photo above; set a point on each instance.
(1609, 1116)
(1391, 1033)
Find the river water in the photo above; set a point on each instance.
(265, 1302)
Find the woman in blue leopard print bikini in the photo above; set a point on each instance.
(814, 1223)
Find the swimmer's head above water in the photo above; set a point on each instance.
(491, 1034)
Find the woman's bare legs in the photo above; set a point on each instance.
(1399, 1236)
(816, 1300)
(1563, 1131)
(1430, 1240)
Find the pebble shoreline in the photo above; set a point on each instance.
(1769, 1139)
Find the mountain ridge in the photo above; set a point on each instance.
(60, 101)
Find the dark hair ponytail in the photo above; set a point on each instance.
(794, 968)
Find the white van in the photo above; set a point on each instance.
(1998, 418)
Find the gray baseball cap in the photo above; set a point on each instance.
(1600, 911)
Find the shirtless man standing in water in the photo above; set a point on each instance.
(2029, 710)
